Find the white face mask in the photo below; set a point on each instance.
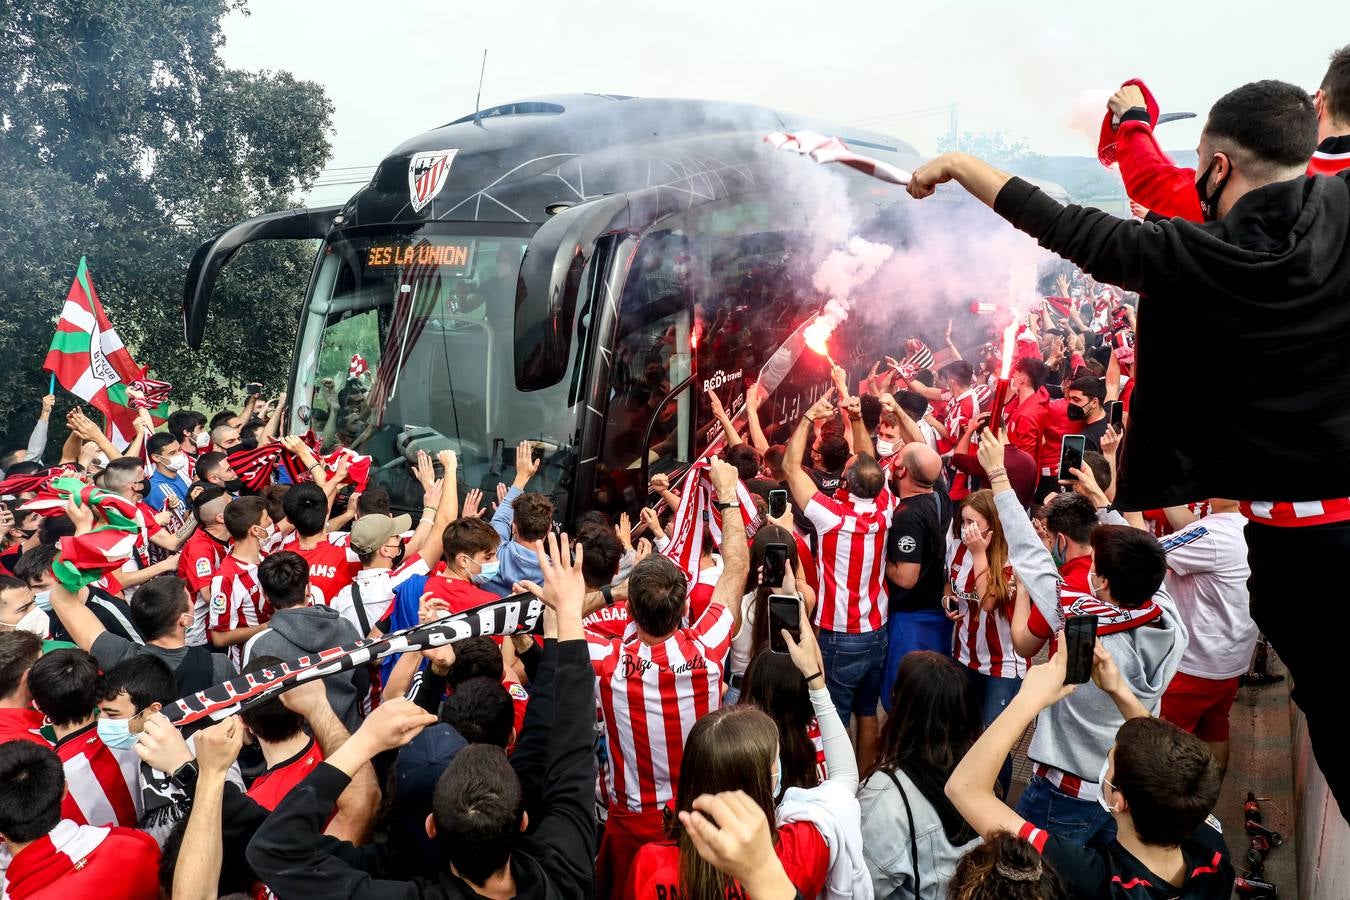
(35, 621)
(1101, 782)
(202, 439)
(177, 463)
(1092, 584)
(885, 448)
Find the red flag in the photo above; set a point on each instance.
(358, 366)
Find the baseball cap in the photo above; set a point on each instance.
(371, 532)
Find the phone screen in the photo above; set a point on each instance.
(784, 614)
(777, 503)
(1115, 414)
(775, 564)
(1071, 456)
(1080, 636)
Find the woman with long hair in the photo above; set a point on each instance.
(981, 594)
(774, 686)
(737, 748)
(750, 623)
(912, 835)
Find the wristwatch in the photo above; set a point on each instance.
(185, 776)
(718, 504)
(608, 594)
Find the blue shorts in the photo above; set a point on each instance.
(854, 665)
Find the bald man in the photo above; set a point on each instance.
(916, 561)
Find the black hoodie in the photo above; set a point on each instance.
(1243, 361)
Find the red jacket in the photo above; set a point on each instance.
(1026, 422)
(1056, 424)
(80, 862)
(1169, 190)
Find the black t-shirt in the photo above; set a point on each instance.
(1106, 869)
(919, 535)
(1093, 431)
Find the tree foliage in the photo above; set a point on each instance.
(125, 138)
(994, 147)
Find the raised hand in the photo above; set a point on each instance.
(218, 746)
(473, 504)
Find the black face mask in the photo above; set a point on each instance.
(398, 560)
(1076, 412)
(1209, 202)
(234, 485)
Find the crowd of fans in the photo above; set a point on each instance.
(671, 732)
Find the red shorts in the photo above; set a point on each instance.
(625, 834)
(1200, 705)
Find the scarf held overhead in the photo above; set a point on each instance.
(517, 614)
(696, 509)
(85, 558)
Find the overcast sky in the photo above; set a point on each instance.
(1038, 70)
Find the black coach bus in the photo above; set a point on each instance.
(576, 271)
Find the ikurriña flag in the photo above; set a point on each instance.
(90, 360)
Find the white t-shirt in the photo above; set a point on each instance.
(1207, 577)
(377, 592)
(744, 639)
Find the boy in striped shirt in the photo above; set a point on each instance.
(103, 783)
(238, 608)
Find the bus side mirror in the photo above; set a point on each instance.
(211, 257)
(550, 279)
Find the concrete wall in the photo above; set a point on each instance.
(1323, 837)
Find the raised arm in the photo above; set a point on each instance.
(973, 782)
(720, 414)
(735, 549)
(799, 483)
(752, 402)
(1030, 560)
(862, 440)
(446, 510)
(197, 874)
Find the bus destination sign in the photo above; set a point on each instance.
(455, 255)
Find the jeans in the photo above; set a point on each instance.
(1285, 565)
(994, 694)
(925, 629)
(1044, 806)
(853, 669)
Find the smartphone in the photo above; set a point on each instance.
(785, 613)
(254, 387)
(1071, 456)
(775, 564)
(777, 503)
(1080, 636)
(1115, 414)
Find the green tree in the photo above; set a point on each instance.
(994, 147)
(125, 138)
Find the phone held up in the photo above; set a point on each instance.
(778, 502)
(775, 564)
(1071, 456)
(1115, 414)
(1080, 636)
(785, 614)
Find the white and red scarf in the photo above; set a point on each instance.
(696, 509)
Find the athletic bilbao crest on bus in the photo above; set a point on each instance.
(427, 173)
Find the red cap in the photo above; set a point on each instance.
(1106, 143)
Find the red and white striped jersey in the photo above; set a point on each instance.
(650, 697)
(851, 561)
(981, 640)
(237, 602)
(1297, 515)
(957, 417)
(103, 786)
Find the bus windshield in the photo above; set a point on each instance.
(407, 345)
